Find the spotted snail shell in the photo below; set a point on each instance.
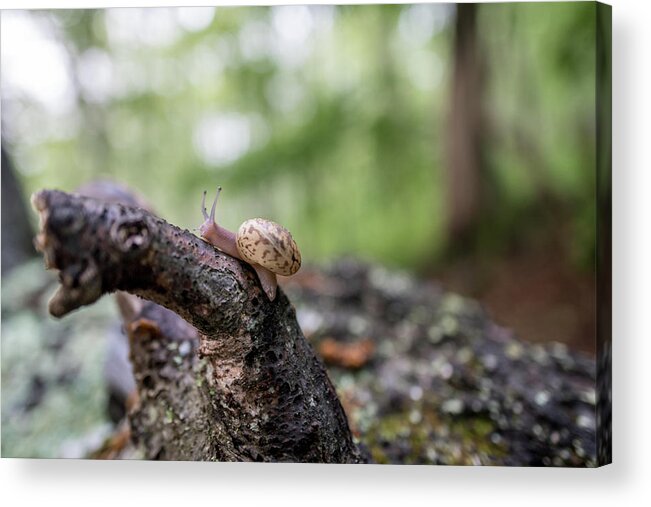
(268, 244)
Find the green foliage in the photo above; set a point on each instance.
(541, 97)
(332, 121)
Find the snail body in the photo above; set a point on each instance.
(267, 246)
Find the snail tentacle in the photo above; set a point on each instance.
(203, 206)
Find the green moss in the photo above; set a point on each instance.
(432, 439)
(475, 433)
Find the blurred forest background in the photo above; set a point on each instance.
(455, 142)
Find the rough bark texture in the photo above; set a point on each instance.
(253, 391)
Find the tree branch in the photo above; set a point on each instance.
(261, 390)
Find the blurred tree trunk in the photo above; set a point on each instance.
(464, 131)
(16, 230)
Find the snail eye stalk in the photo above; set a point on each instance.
(214, 205)
(203, 206)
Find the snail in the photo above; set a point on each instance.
(268, 247)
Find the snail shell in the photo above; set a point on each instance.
(268, 244)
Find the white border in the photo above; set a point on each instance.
(42, 482)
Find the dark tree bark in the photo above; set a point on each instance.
(16, 230)
(254, 389)
(464, 132)
(604, 231)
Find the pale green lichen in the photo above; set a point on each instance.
(53, 391)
